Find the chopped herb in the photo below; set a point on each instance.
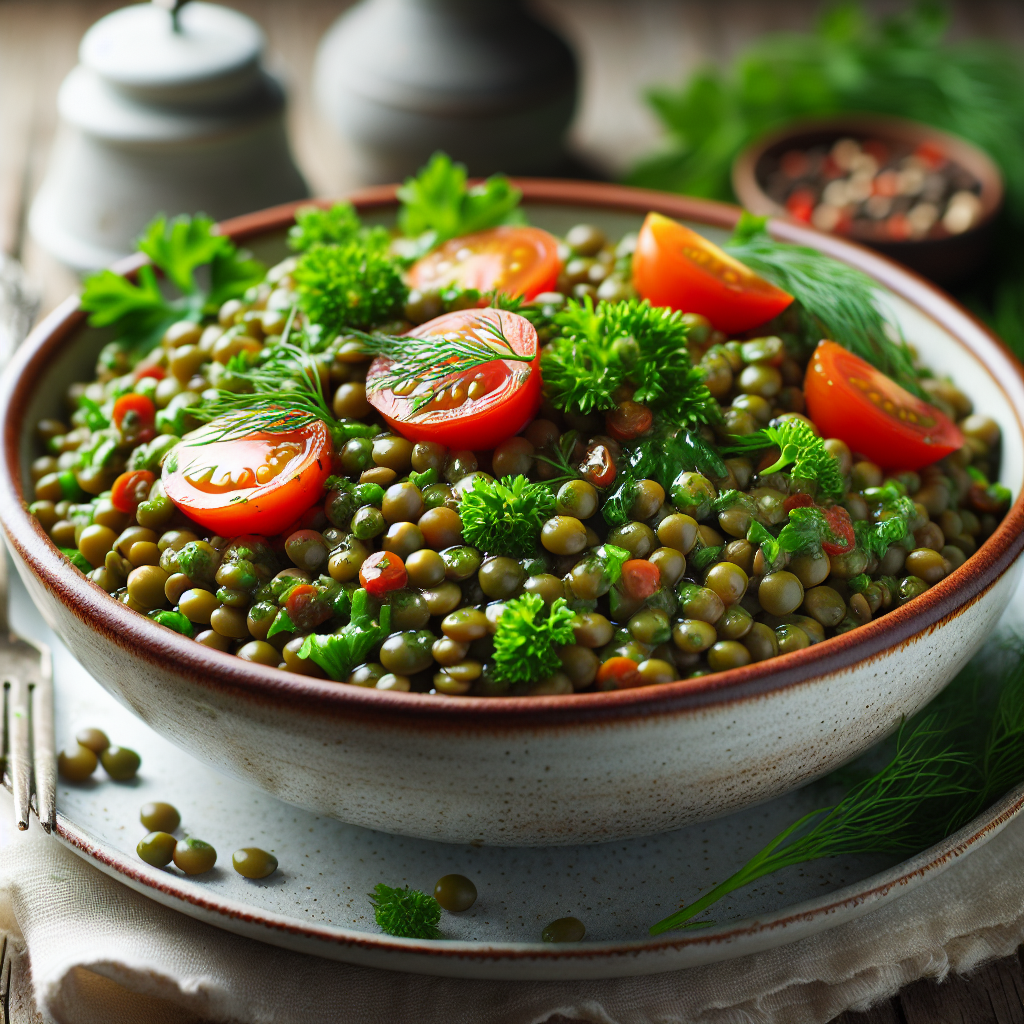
(771, 550)
(703, 558)
(528, 637)
(600, 349)
(811, 529)
(173, 620)
(77, 559)
(406, 913)
(424, 479)
(338, 653)
(282, 624)
(438, 205)
(798, 447)
(505, 517)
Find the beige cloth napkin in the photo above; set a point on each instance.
(102, 954)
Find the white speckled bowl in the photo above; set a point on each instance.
(541, 770)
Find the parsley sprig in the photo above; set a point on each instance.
(601, 348)
(338, 225)
(438, 204)
(800, 449)
(338, 653)
(505, 517)
(140, 311)
(528, 637)
(406, 913)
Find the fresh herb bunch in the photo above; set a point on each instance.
(505, 517)
(799, 448)
(671, 452)
(950, 762)
(834, 300)
(140, 312)
(338, 653)
(601, 348)
(528, 637)
(349, 285)
(406, 913)
(337, 226)
(434, 361)
(437, 204)
(901, 65)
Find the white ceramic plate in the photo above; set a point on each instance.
(316, 903)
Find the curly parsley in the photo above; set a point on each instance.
(505, 517)
(406, 913)
(527, 641)
(601, 348)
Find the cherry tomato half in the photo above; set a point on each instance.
(674, 266)
(130, 489)
(255, 484)
(513, 260)
(849, 399)
(509, 390)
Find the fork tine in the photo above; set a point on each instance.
(44, 754)
(6, 967)
(21, 764)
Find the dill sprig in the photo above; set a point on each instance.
(601, 348)
(528, 637)
(425, 366)
(939, 778)
(406, 913)
(798, 447)
(835, 301)
(505, 517)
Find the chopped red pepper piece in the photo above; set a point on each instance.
(381, 572)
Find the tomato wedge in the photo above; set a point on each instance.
(254, 484)
(849, 399)
(518, 261)
(509, 390)
(674, 266)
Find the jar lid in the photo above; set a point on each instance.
(213, 56)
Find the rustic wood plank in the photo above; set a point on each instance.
(991, 995)
(883, 1013)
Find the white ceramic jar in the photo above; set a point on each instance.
(158, 118)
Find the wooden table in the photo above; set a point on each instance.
(626, 45)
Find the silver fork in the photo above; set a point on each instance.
(27, 672)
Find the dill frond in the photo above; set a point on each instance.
(836, 301)
(505, 517)
(434, 361)
(939, 778)
(406, 913)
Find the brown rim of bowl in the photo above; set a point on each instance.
(216, 671)
(748, 188)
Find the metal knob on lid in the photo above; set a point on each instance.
(169, 111)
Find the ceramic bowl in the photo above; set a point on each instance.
(946, 259)
(533, 771)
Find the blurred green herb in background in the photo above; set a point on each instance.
(902, 65)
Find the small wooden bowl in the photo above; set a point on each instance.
(946, 260)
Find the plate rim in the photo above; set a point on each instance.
(539, 960)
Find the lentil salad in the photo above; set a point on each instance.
(659, 501)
